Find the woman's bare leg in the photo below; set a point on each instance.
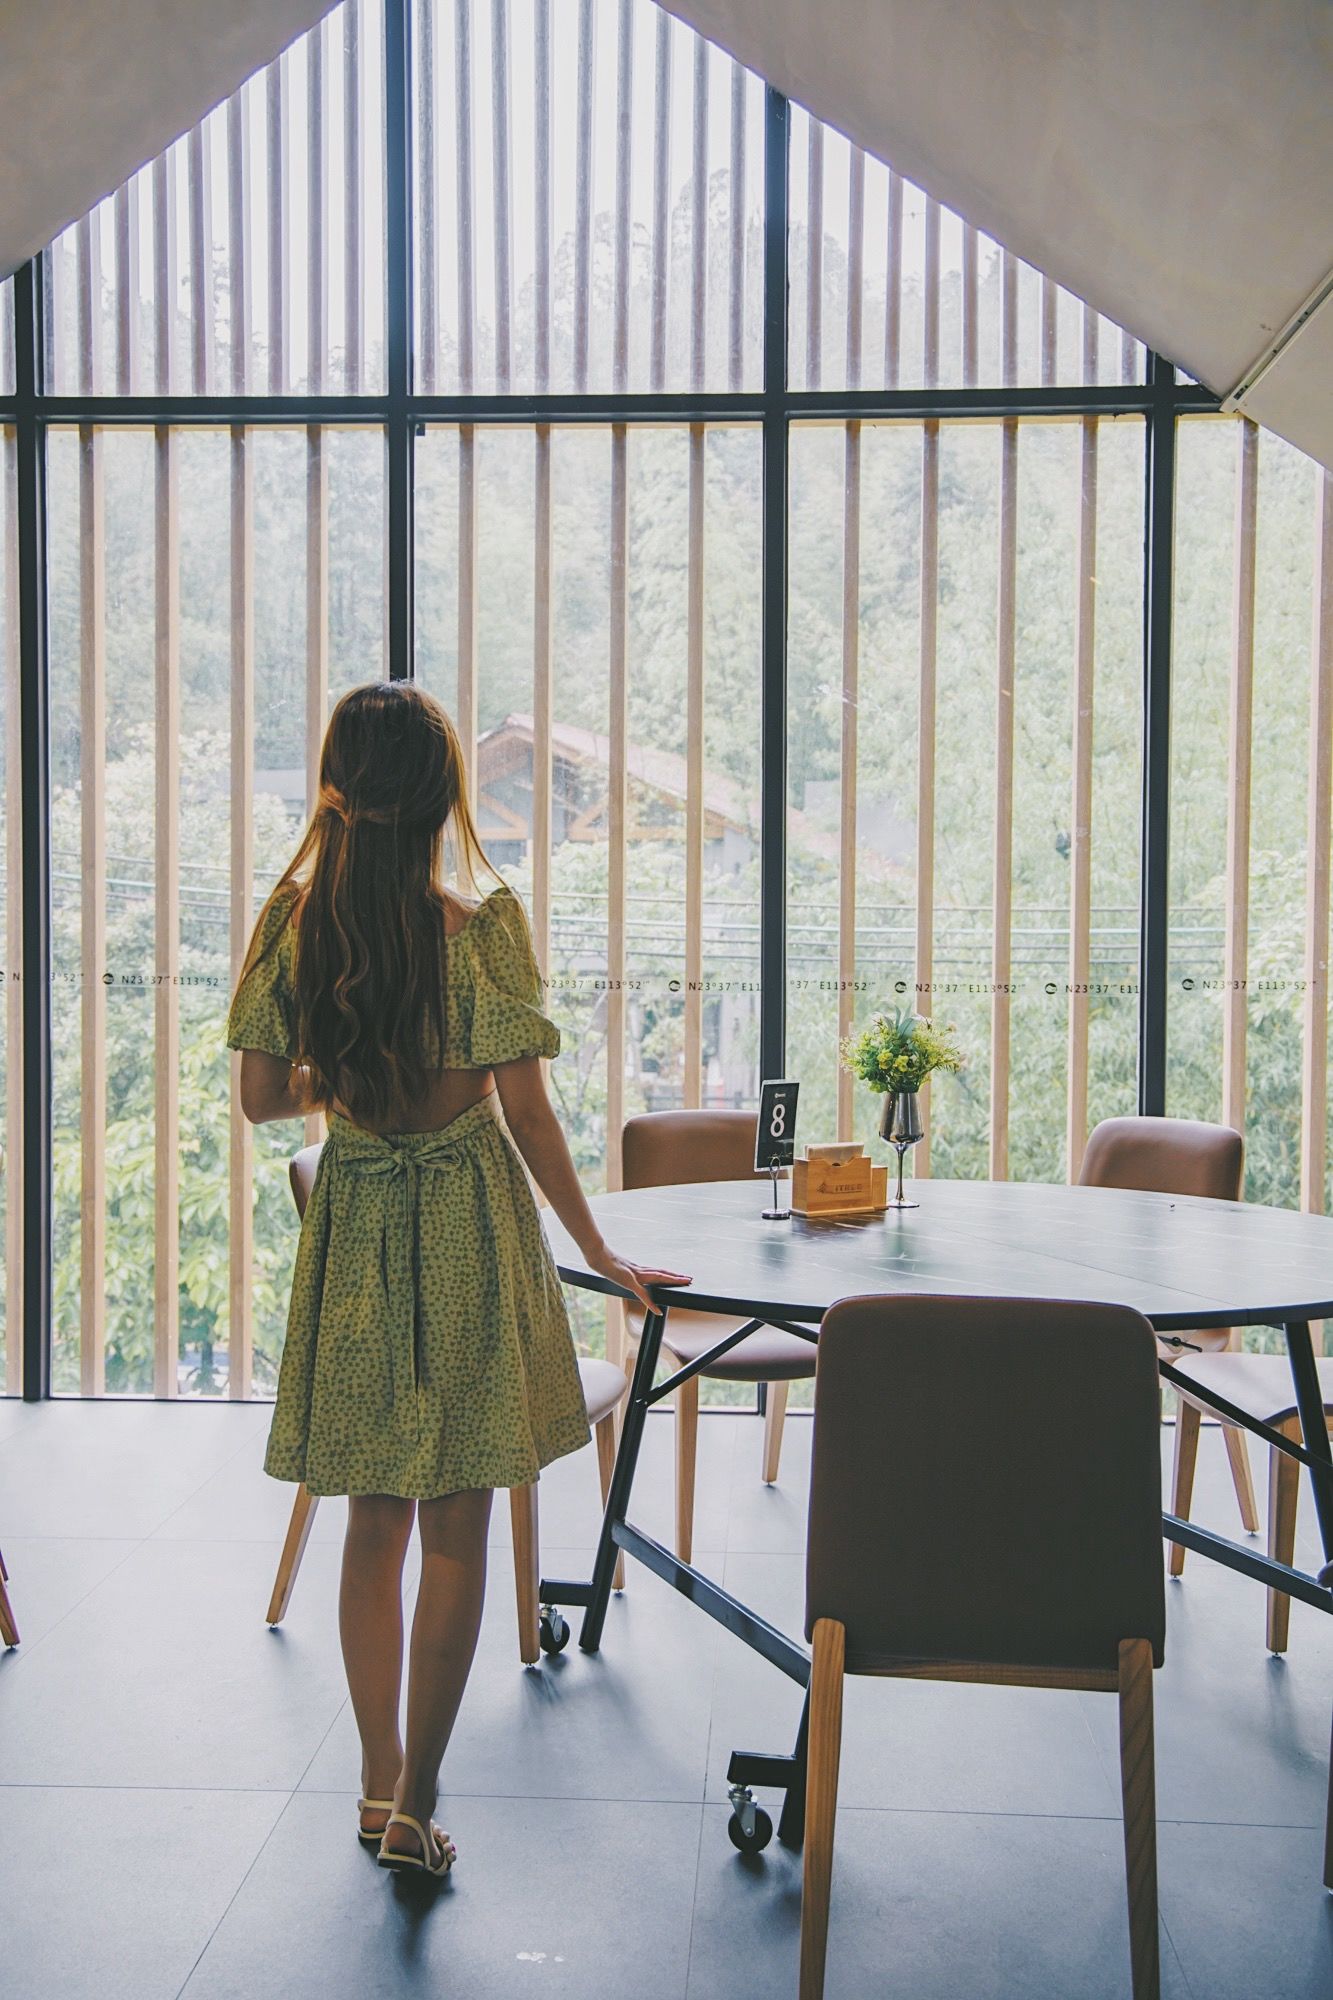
(444, 1638)
(370, 1622)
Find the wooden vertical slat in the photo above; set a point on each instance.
(240, 1152)
(13, 1191)
(542, 655)
(621, 284)
(694, 774)
(166, 825)
(92, 850)
(466, 699)
(465, 711)
(317, 217)
(617, 816)
(127, 285)
(583, 196)
(352, 303)
(926, 680)
(694, 617)
(851, 640)
(814, 259)
(893, 284)
(1050, 300)
(500, 183)
(427, 260)
(317, 468)
(1005, 623)
(1080, 830)
(736, 302)
(1129, 360)
(616, 805)
(969, 306)
(661, 204)
(240, 1140)
(275, 140)
(238, 248)
(201, 288)
(1314, 1040)
(1236, 945)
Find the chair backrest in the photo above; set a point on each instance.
(301, 1172)
(1165, 1156)
(986, 1483)
(662, 1148)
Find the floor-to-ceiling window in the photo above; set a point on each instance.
(779, 544)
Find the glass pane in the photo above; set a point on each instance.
(550, 258)
(249, 258)
(147, 534)
(1222, 529)
(932, 294)
(688, 981)
(932, 539)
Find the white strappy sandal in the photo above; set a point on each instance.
(363, 1833)
(436, 1837)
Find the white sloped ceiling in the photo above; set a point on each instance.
(1170, 161)
(92, 89)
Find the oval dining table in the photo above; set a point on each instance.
(1184, 1262)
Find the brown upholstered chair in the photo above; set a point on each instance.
(1260, 1385)
(662, 1148)
(1178, 1156)
(603, 1392)
(1027, 1553)
(9, 1631)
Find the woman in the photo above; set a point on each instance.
(428, 1357)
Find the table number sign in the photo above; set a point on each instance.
(775, 1141)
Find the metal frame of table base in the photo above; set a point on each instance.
(786, 1773)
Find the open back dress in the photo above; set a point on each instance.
(428, 1348)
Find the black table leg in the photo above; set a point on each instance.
(622, 1481)
(1314, 1429)
(791, 1825)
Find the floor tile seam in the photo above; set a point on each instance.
(216, 1473)
(93, 1785)
(695, 1802)
(27, 1647)
(253, 1863)
(1088, 1818)
(259, 1851)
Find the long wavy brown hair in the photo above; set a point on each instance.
(367, 899)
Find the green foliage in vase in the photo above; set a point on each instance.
(899, 1051)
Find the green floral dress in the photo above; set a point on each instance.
(428, 1348)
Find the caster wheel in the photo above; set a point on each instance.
(553, 1633)
(757, 1839)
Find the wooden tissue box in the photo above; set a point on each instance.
(838, 1180)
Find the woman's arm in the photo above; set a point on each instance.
(536, 1132)
(272, 1088)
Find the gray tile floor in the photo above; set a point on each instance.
(176, 1782)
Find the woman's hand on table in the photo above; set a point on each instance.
(632, 1278)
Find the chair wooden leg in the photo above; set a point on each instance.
(1139, 1797)
(527, 1569)
(687, 1447)
(1284, 1492)
(9, 1631)
(1182, 1477)
(289, 1562)
(605, 1433)
(1238, 1452)
(774, 1413)
(823, 1755)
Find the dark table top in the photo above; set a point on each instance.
(1182, 1261)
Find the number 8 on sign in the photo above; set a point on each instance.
(775, 1145)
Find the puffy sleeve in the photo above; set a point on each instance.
(507, 1020)
(262, 1014)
